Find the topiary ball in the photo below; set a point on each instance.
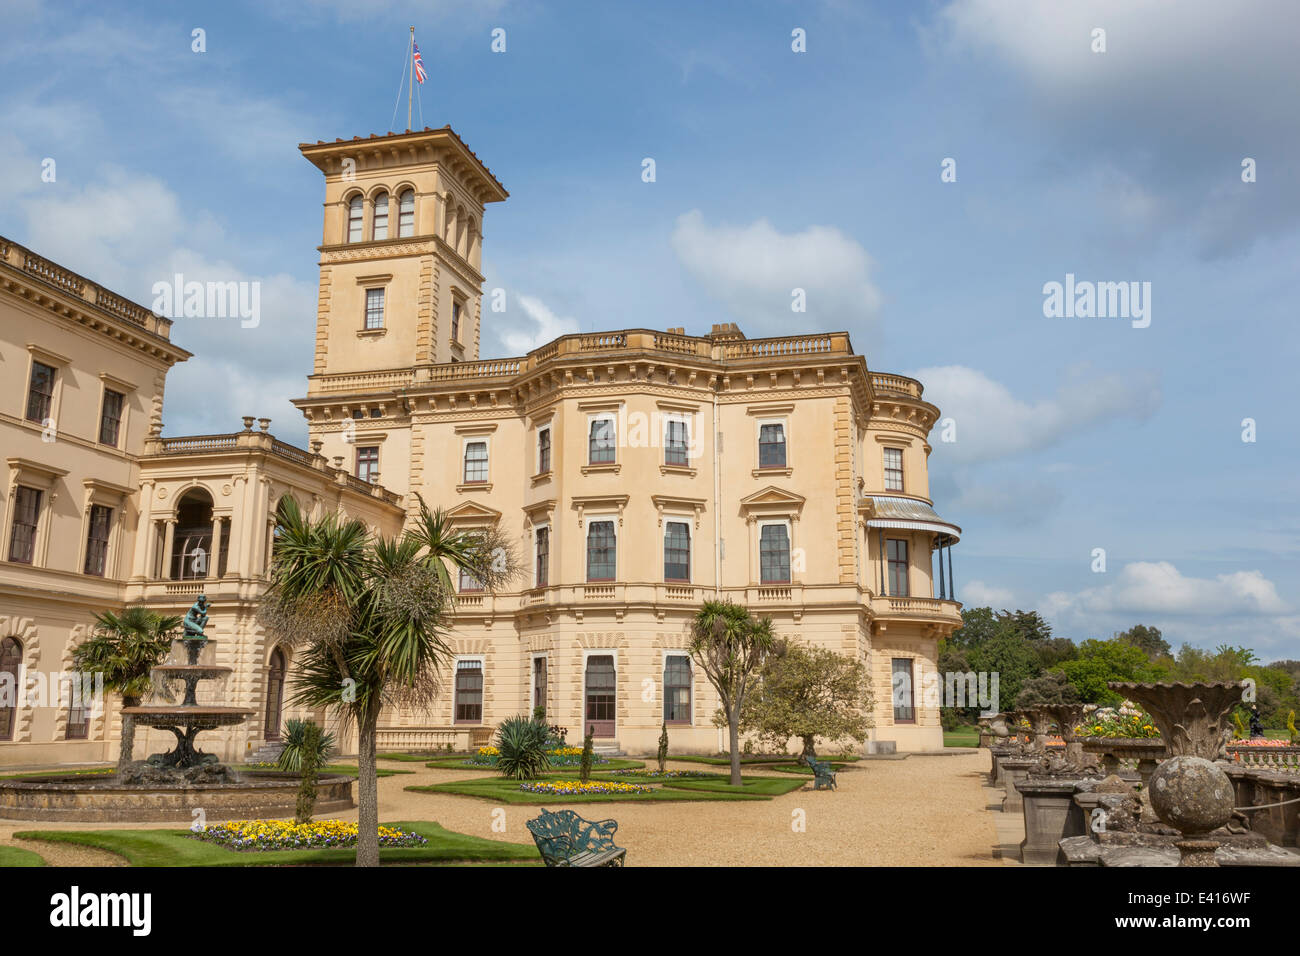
(1191, 794)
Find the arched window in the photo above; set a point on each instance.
(275, 694)
(381, 216)
(192, 537)
(355, 214)
(406, 213)
(11, 666)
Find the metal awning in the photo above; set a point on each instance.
(887, 511)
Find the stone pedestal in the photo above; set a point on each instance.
(1051, 815)
(1014, 770)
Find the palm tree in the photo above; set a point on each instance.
(125, 648)
(371, 613)
(730, 644)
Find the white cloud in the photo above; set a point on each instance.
(979, 594)
(754, 269)
(991, 423)
(1146, 587)
(543, 326)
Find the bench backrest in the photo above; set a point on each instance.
(562, 833)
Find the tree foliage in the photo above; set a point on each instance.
(808, 692)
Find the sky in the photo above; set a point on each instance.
(922, 170)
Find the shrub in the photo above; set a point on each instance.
(311, 756)
(295, 743)
(662, 756)
(521, 746)
(1290, 725)
(584, 768)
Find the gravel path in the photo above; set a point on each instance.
(922, 811)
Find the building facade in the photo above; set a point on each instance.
(641, 472)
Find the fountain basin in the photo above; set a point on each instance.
(81, 798)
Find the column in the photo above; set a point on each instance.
(214, 559)
(169, 536)
(952, 590)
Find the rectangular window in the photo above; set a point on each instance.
(78, 723)
(110, 418)
(543, 451)
(469, 692)
(542, 553)
(455, 322)
(893, 469)
(600, 443)
(774, 554)
(27, 514)
(677, 443)
(904, 700)
(374, 308)
(771, 445)
(468, 583)
(896, 551)
(539, 682)
(381, 216)
(368, 463)
(406, 214)
(40, 393)
(476, 462)
(677, 689)
(677, 551)
(101, 518)
(601, 545)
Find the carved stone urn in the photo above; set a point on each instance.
(1189, 791)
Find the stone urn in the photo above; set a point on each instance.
(1189, 792)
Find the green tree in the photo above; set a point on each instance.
(1047, 690)
(372, 615)
(808, 692)
(1102, 661)
(1148, 639)
(125, 648)
(730, 644)
(1011, 657)
(662, 756)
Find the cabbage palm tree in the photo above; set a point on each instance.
(372, 614)
(729, 643)
(125, 648)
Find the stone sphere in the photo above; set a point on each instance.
(1191, 794)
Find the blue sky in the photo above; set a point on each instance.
(774, 170)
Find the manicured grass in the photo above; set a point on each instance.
(802, 768)
(55, 772)
(502, 790)
(962, 737)
(751, 759)
(350, 770)
(461, 763)
(17, 856)
(178, 848)
(420, 758)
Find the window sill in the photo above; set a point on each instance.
(371, 333)
(541, 476)
(686, 470)
(468, 486)
(611, 468)
(772, 472)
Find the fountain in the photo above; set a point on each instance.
(182, 783)
(189, 718)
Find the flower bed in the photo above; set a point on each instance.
(558, 756)
(573, 788)
(287, 835)
(1128, 721)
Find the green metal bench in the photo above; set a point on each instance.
(566, 839)
(823, 775)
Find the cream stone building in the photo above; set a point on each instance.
(641, 472)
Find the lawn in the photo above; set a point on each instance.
(962, 737)
(350, 770)
(178, 848)
(750, 759)
(501, 790)
(462, 763)
(55, 772)
(17, 856)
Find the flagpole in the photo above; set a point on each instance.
(410, 84)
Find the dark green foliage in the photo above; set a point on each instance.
(662, 756)
(300, 743)
(522, 745)
(1148, 639)
(1046, 690)
(584, 769)
(314, 744)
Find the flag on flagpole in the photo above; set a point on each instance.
(419, 64)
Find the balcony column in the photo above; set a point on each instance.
(235, 561)
(884, 565)
(214, 559)
(952, 591)
(140, 566)
(942, 593)
(169, 537)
